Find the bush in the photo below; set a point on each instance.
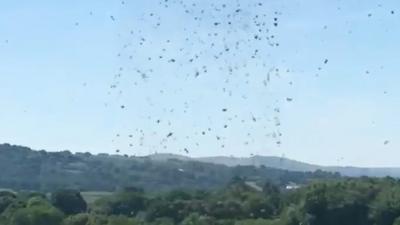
(69, 201)
(37, 212)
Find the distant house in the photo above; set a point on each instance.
(292, 186)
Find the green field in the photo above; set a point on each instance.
(92, 196)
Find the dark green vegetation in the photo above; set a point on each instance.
(361, 201)
(24, 169)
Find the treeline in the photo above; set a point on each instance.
(363, 201)
(24, 169)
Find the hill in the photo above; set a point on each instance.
(292, 165)
(270, 161)
(22, 168)
(286, 164)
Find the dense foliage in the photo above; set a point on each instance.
(24, 169)
(363, 201)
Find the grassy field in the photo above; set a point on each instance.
(92, 196)
(89, 196)
(8, 190)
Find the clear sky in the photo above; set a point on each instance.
(314, 80)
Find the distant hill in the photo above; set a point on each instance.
(22, 168)
(269, 161)
(292, 165)
(286, 164)
(168, 156)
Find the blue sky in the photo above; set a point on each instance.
(59, 60)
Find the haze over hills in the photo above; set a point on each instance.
(286, 164)
(22, 168)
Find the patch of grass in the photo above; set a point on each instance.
(92, 196)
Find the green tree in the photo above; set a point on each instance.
(79, 219)
(336, 203)
(196, 219)
(126, 203)
(69, 201)
(397, 221)
(386, 207)
(37, 212)
(6, 198)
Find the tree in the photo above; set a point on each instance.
(337, 203)
(161, 208)
(386, 207)
(69, 201)
(6, 198)
(196, 219)
(257, 206)
(397, 221)
(123, 203)
(37, 212)
(79, 219)
(122, 220)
